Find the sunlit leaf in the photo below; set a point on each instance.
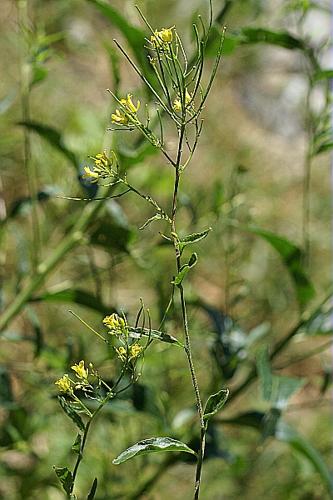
(193, 238)
(215, 403)
(152, 445)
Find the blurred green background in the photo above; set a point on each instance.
(247, 181)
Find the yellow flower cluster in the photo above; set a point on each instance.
(115, 323)
(64, 384)
(177, 105)
(162, 37)
(133, 352)
(101, 169)
(120, 117)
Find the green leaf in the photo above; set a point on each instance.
(138, 332)
(292, 258)
(53, 137)
(76, 447)
(215, 403)
(65, 477)
(193, 238)
(135, 37)
(185, 269)
(288, 435)
(264, 373)
(75, 296)
(152, 445)
(93, 490)
(323, 74)
(72, 414)
(249, 36)
(323, 148)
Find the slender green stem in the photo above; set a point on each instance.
(187, 348)
(29, 167)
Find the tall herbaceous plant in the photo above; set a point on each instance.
(180, 92)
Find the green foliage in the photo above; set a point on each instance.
(215, 403)
(152, 445)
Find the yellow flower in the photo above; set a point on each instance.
(64, 384)
(135, 351)
(122, 353)
(80, 370)
(119, 118)
(177, 105)
(115, 323)
(92, 175)
(101, 160)
(128, 104)
(164, 36)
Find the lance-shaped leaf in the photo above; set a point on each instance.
(73, 415)
(215, 403)
(138, 332)
(65, 477)
(93, 490)
(193, 238)
(185, 269)
(53, 137)
(292, 258)
(152, 445)
(280, 38)
(74, 296)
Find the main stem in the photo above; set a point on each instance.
(188, 349)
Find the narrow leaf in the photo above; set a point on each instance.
(193, 238)
(93, 490)
(74, 296)
(152, 445)
(138, 332)
(292, 258)
(53, 137)
(260, 35)
(185, 269)
(288, 435)
(215, 403)
(73, 415)
(65, 477)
